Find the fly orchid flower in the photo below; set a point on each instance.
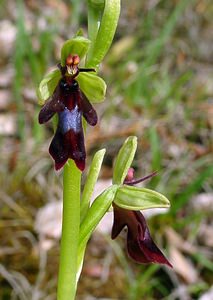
(68, 92)
(140, 246)
(70, 104)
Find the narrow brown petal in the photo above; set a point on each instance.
(89, 112)
(52, 106)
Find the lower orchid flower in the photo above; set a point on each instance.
(140, 245)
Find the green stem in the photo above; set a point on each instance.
(67, 283)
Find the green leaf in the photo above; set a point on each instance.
(78, 45)
(95, 213)
(124, 159)
(132, 198)
(91, 181)
(47, 86)
(93, 86)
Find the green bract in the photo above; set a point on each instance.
(124, 159)
(78, 45)
(97, 3)
(91, 180)
(133, 198)
(104, 29)
(95, 213)
(93, 86)
(48, 85)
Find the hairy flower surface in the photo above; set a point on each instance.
(70, 104)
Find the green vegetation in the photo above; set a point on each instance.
(158, 78)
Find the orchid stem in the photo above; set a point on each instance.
(67, 281)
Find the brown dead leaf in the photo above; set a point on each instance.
(207, 108)
(6, 76)
(208, 295)
(183, 266)
(48, 220)
(206, 234)
(94, 270)
(7, 124)
(7, 38)
(5, 99)
(178, 242)
(203, 202)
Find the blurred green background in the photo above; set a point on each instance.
(159, 76)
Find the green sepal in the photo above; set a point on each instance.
(93, 86)
(47, 86)
(78, 45)
(133, 198)
(124, 159)
(95, 213)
